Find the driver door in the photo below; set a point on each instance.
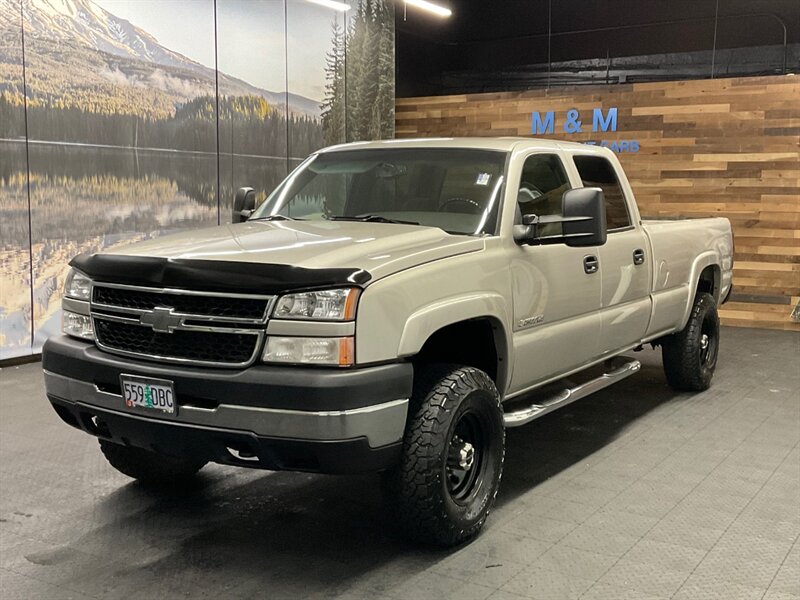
(556, 295)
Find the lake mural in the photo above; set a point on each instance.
(124, 120)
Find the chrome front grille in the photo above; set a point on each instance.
(179, 326)
(241, 308)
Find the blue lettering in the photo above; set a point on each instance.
(617, 146)
(573, 124)
(538, 126)
(605, 122)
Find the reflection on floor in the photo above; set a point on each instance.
(637, 492)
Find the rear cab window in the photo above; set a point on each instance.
(596, 171)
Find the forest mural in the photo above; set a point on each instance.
(126, 119)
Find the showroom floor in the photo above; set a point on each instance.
(638, 492)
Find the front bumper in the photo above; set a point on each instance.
(307, 419)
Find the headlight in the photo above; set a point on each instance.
(338, 351)
(77, 325)
(77, 286)
(325, 305)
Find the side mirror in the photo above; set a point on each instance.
(583, 221)
(244, 203)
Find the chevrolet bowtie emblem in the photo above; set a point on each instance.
(161, 319)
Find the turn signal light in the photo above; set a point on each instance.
(331, 351)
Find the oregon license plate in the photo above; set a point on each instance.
(147, 393)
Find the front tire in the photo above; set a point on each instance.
(690, 356)
(452, 460)
(150, 467)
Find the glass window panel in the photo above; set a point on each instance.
(251, 54)
(123, 130)
(596, 171)
(15, 251)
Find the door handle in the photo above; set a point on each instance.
(638, 256)
(590, 264)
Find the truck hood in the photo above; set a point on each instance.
(380, 249)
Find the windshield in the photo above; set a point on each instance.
(455, 189)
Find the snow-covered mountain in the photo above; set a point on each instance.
(84, 23)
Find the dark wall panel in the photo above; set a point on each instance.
(518, 45)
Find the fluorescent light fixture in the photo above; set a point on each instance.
(436, 9)
(340, 6)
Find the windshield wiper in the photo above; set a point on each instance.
(370, 219)
(275, 218)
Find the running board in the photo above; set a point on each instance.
(569, 395)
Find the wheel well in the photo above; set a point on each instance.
(709, 281)
(477, 343)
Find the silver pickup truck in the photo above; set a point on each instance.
(391, 306)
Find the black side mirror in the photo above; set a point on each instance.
(583, 221)
(244, 203)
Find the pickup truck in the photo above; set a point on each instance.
(390, 307)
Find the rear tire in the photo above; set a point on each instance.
(452, 459)
(690, 356)
(150, 467)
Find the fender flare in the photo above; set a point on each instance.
(429, 319)
(707, 259)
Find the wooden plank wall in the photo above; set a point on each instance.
(720, 147)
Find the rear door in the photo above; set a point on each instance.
(625, 267)
(556, 296)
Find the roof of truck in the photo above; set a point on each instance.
(505, 144)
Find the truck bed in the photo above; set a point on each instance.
(681, 249)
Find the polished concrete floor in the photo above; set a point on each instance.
(637, 492)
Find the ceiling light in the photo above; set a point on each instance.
(436, 9)
(340, 6)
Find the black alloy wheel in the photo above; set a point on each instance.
(690, 355)
(452, 458)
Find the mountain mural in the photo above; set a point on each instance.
(93, 52)
(116, 137)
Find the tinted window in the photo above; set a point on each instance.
(542, 184)
(596, 171)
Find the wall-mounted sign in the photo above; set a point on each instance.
(573, 123)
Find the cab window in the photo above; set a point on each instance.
(596, 171)
(541, 186)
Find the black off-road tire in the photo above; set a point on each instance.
(149, 467)
(449, 401)
(690, 356)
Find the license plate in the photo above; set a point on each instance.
(147, 393)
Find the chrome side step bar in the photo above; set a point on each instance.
(569, 395)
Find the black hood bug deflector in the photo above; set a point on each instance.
(212, 275)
